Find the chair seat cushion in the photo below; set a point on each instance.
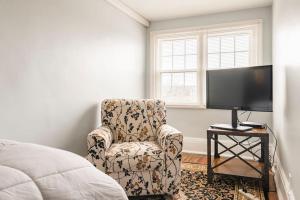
(134, 156)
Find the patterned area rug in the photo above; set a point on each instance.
(194, 186)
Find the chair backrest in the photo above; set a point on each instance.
(133, 120)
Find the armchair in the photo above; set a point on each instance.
(136, 147)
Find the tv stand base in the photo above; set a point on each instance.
(230, 127)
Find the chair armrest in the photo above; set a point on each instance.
(102, 137)
(170, 140)
(98, 141)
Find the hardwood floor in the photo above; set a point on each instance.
(202, 159)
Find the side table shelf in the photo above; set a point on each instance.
(236, 167)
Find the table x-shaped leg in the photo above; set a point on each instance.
(237, 155)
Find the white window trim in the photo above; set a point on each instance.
(202, 32)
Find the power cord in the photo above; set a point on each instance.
(275, 148)
(252, 142)
(271, 157)
(248, 116)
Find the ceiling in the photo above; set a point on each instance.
(155, 10)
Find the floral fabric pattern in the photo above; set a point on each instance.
(133, 120)
(134, 156)
(136, 147)
(98, 141)
(141, 182)
(170, 140)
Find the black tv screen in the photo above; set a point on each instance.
(248, 89)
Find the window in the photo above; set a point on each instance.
(178, 70)
(179, 59)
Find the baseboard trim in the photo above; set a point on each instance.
(283, 188)
(194, 145)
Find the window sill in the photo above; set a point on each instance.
(198, 107)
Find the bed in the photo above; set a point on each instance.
(35, 172)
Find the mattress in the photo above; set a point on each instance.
(35, 172)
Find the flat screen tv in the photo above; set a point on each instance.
(248, 89)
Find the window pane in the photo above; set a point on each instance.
(213, 44)
(242, 59)
(177, 89)
(227, 44)
(190, 78)
(191, 87)
(227, 60)
(191, 46)
(178, 47)
(166, 84)
(178, 79)
(242, 43)
(191, 61)
(213, 61)
(166, 48)
(178, 62)
(166, 63)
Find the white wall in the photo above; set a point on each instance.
(194, 122)
(286, 91)
(58, 59)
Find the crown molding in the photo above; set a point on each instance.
(128, 11)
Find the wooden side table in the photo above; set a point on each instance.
(236, 165)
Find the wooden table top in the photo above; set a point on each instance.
(255, 132)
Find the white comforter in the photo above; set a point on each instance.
(35, 172)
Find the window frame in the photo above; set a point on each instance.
(255, 52)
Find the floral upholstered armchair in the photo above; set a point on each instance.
(136, 147)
